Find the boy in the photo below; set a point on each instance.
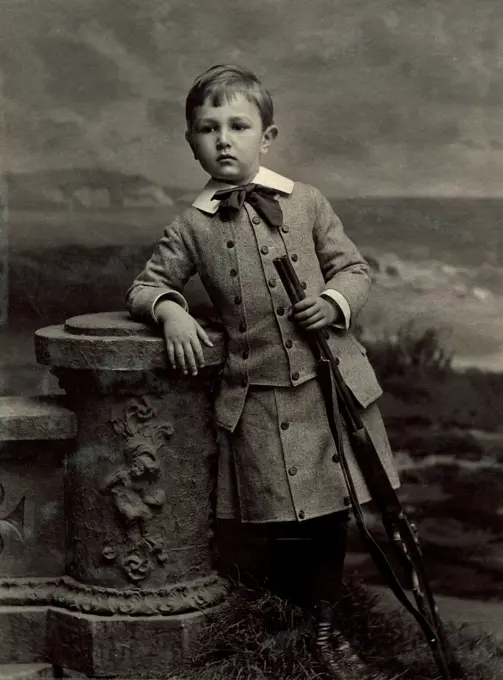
(278, 467)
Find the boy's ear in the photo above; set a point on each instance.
(188, 137)
(268, 137)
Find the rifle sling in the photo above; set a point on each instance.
(379, 558)
(336, 393)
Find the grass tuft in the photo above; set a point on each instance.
(260, 636)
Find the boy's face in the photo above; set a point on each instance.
(228, 140)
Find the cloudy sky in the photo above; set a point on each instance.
(378, 97)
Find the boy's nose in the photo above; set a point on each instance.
(223, 139)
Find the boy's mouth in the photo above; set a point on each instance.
(225, 157)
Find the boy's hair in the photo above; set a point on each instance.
(219, 83)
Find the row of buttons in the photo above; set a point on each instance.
(265, 249)
(272, 282)
(285, 228)
(346, 500)
(242, 326)
(293, 470)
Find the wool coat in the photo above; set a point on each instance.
(264, 348)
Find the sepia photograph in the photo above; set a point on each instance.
(251, 339)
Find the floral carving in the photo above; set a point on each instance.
(135, 489)
(136, 566)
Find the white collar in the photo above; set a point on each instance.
(268, 178)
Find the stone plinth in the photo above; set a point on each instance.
(122, 646)
(36, 434)
(138, 491)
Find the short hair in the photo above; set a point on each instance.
(219, 83)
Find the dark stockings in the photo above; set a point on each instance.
(307, 560)
(306, 566)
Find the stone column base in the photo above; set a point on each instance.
(102, 632)
(23, 635)
(123, 646)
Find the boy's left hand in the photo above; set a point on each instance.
(313, 313)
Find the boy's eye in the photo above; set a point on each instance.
(206, 128)
(239, 126)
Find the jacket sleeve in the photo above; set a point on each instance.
(165, 274)
(344, 268)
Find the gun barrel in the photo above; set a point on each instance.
(393, 516)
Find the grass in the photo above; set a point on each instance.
(262, 637)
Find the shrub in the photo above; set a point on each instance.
(416, 372)
(411, 351)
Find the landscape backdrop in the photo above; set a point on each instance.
(393, 108)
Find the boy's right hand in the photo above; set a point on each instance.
(183, 336)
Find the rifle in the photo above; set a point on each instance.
(341, 406)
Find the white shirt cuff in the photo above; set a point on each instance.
(172, 295)
(343, 305)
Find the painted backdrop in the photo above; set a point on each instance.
(393, 108)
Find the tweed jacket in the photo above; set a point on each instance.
(234, 259)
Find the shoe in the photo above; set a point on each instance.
(325, 653)
(334, 654)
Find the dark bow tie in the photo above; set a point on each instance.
(261, 198)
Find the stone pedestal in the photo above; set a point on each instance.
(138, 499)
(36, 436)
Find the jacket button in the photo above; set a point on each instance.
(292, 471)
(245, 354)
(280, 311)
(230, 244)
(256, 220)
(237, 300)
(242, 328)
(244, 381)
(347, 500)
(285, 425)
(233, 272)
(295, 376)
(304, 285)
(301, 514)
(326, 335)
(264, 250)
(294, 257)
(272, 283)
(285, 229)
(288, 344)
(336, 458)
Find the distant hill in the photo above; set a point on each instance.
(81, 188)
(437, 262)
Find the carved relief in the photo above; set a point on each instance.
(136, 491)
(13, 522)
(68, 593)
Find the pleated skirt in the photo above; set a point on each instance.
(281, 463)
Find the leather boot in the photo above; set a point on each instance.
(335, 655)
(326, 656)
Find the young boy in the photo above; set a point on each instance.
(279, 469)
